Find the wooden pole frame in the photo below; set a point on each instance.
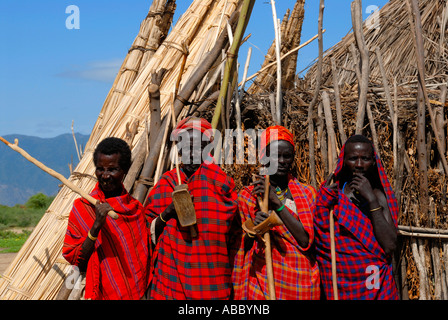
(420, 52)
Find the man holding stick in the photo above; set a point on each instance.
(188, 265)
(365, 214)
(112, 252)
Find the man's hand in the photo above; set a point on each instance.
(329, 185)
(260, 216)
(258, 190)
(101, 210)
(170, 212)
(361, 187)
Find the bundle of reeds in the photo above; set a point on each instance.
(38, 271)
(153, 30)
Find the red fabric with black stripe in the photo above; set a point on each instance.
(296, 273)
(194, 268)
(118, 267)
(363, 269)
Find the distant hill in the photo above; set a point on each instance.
(20, 179)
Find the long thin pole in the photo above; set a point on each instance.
(282, 57)
(333, 258)
(267, 241)
(311, 107)
(244, 17)
(173, 113)
(356, 9)
(176, 156)
(278, 102)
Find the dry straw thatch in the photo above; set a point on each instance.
(326, 103)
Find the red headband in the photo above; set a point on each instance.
(274, 133)
(194, 123)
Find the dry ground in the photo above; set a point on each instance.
(5, 260)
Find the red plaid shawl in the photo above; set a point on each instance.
(295, 270)
(363, 269)
(118, 266)
(194, 268)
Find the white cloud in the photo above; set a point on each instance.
(49, 126)
(103, 71)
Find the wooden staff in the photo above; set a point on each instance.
(75, 188)
(173, 112)
(181, 197)
(333, 257)
(267, 241)
(334, 276)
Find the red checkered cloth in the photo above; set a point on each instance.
(194, 268)
(118, 266)
(296, 273)
(363, 269)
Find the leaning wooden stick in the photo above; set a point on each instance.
(15, 146)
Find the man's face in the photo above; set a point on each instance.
(359, 158)
(190, 148)
(109, 174)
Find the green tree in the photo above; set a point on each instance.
(39, 201)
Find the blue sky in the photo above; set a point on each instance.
(51, 75)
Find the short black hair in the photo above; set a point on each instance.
(113, 145)
(358, 138)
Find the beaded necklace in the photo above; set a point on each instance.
(281, 194)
